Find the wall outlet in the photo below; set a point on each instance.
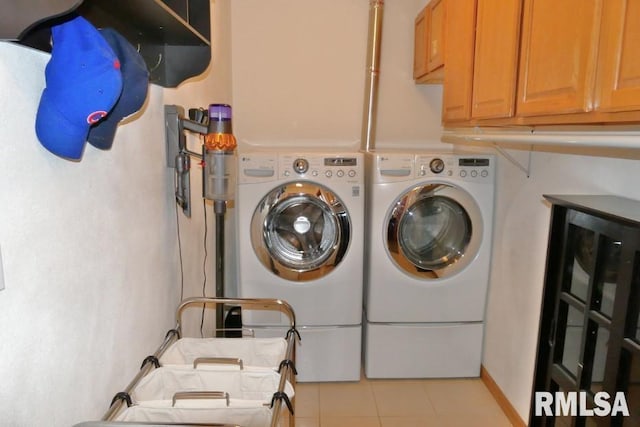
(1, 271)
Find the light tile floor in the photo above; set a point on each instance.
(398, 403)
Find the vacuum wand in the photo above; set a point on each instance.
(219, 181)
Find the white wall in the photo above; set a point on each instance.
(89, 248)
(299, 73)
(520, 246)
(408, 114)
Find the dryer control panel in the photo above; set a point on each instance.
(465, 167)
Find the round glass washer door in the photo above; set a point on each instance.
(433, 231)
(300, 231)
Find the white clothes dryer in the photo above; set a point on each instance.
(301, 239)
(427, 263)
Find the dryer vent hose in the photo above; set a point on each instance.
(376, 8)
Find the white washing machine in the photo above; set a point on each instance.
(301, 239)
(427, 263)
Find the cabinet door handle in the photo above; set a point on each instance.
(579, 372)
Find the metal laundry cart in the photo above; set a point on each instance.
(248, 382)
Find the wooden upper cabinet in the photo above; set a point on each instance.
(558, 56)
(481, 51)
(428, 55)
(540, 62)
(460, 32)
(618, 85)
(495, 58)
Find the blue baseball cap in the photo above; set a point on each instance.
(83, 83)
(135, 84)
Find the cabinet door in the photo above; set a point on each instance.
(435, 32)
(558, 56)
(495, 58)
(618, 86)
(420, 45)
(460, 33)
(428, 55)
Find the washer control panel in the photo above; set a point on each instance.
(469, 168)
(320, 167)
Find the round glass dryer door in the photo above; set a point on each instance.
(300, 231)
(434, 231)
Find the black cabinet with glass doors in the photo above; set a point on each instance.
(589, 336)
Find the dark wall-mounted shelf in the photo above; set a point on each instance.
(20, 16)
(173, 36)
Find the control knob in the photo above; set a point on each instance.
(436, 165)
(300, 166)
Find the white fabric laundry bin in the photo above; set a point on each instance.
(256, 352)
(186, 395)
